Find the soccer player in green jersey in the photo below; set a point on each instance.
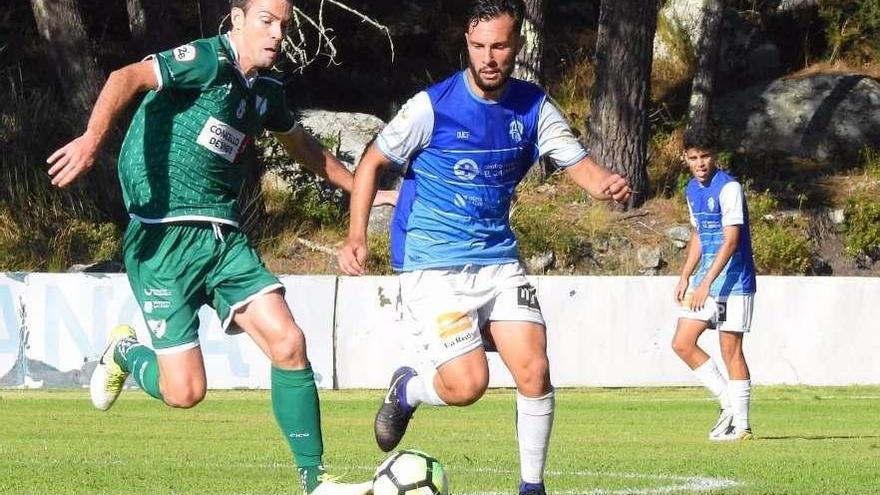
(180, 171)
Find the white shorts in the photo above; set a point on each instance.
(731, 313)
(448, 308)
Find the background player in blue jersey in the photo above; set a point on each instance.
(722, 289)
(464, 144)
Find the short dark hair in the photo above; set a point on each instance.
(243, 4)
(484, 10)
(700, 139)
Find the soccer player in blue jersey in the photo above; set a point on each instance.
(464, 144)
(721, 293)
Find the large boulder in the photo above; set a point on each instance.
(818, 116)
(747, 54)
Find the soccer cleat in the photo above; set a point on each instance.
(733, 434)
(531, 488)
(330, 485)
(108, 378)
(394, 414)
(725, 419)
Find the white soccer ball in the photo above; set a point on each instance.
(410, 472)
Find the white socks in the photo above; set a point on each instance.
(710, 376)
(534, 420)
(420, 388)
(740, 394)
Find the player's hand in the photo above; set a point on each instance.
(385, 197)
(72, 160)
(680, 290)
(616, 187)
(353, 256)
(699, 298)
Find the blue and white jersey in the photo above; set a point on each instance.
(719, 204)
(463, 157)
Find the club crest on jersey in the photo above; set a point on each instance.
(242, 106)
(184, 53)
(158, 327)
(516, 131)
(466, 169)
(261, 104)
(711, 204)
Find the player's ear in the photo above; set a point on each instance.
(237, 16)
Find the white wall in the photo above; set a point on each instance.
(602, 331)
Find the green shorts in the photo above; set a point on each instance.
(175, 268)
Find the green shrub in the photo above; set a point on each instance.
(862, 222)
(852, 28)
(781, 244)
(380, 255)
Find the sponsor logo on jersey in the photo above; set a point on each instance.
(184, 53)
(221, 138)
(157, 292)
(449, 325)
(463, 135)
(516, 131)
(242, 106)
(466, 169)
(158, 327)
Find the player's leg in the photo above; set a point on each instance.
(248, 298)
(688, 330)
(167, 284)
(736, 324)
(442, 311)
(518, 333)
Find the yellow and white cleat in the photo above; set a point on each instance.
(108, 377)
(733, 434)
(330, 485)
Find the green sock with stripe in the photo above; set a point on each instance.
(141, 362)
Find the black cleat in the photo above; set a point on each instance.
(531, 488)
(394, 415)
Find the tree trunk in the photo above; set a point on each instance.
(150, 30)
(708, 48)
(61, 26)
(618, 125)
(211, 15)
(528, 60)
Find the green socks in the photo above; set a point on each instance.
(297, 410)
(141, 362)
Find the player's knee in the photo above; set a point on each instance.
(682, 347)
(288, 351)
(466, 392)
(183, 397)
(533, 379)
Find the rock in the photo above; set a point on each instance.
(821, 116)
(98, 267)
(649, 257)
(349, 132)
(836, 215)
(679, 235)
(820, 266)
(746, 55)
(540, 263)
(380, 220)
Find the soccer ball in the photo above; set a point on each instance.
(410, 472)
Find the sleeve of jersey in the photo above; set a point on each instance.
(691, 215)
(279, 117)
(555, 138)
(730, 199)
(190, 66)
(409, 131)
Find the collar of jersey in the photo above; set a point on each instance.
(229, 46)
(480, 99)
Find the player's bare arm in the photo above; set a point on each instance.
(690, 263)
(600, 182)
(725, 251)
(353, 255)
(305, 149)
(77, 157)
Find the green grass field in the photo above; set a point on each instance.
(605, 441)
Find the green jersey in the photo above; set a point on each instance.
(180, 159)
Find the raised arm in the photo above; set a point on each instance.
(353, 255)
(77, 157)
